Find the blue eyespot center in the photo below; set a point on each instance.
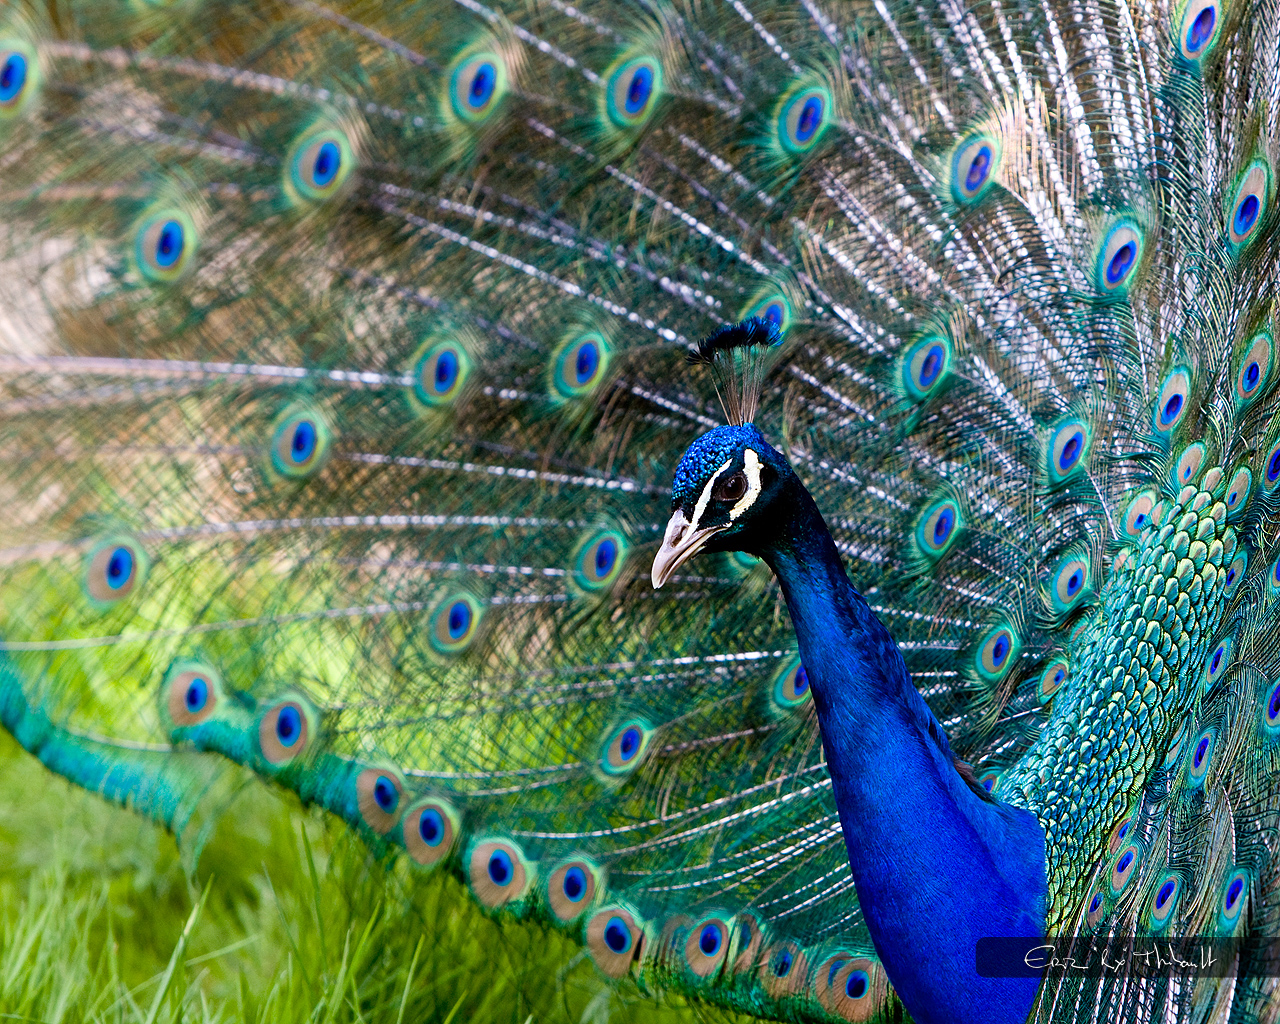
(979, 168)
(500, 869)
(328, 161)
(385, 794)
(629, 745)
(999, 650)
(575, 883)
(1125, 861)
(431, 827)
(1058, 677)
(1071, 451)
(801, 681)
(782, 964)
(288, 725)
(1247, 214)
(617, 936)
(606, 556)
(1121, 261)
(119, 568)
(1074, 582)
(169, 244)
(446, 371)
(639, 91)
(855, 986)
(482, 85)
(1171, 409)
(196, 696)
(13, 76)
(942, 526)
(1166, 890)
(810, 119)
(931, 366)
(1273, 706)
(1123, 831)
(1217, 655)
(1202, 748)
(1234, 891)
(1201, 30)
(459, 620)
(710, 940)
(1095, 903)
(303, 445)
(774, 314)
(586, 362)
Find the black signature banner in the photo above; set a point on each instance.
(1100, 956)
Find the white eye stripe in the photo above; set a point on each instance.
(704, 499)
(751, 466)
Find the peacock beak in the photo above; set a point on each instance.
(680, 543)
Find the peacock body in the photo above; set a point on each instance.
(345, 382)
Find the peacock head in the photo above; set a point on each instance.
(724, 487)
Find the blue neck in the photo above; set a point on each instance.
(936, 866)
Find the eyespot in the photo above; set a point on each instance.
(379, 795)
(114, 568)
(771, 307)
(599, 559)
(572, 889)
(455, 623)
(1069, 583)
(1235, 891)
(849, 987)
(615, 940)
(1052, 679)
(300, 443)
(284, 732)
(750, 938)
(1255, 369)
(1271, 708)
(1238, 490)
(439, 372)
(19, 76)
(1172, 402)
(1217, 663)
(579, 365)
(973, 167)
(938, 528)
(1119, 834)
(498, 872)
(990, 780)
(318, 165)
(784, 970)
(791, 686)
(1163, 902)
(192, 693)
(477, 85)
(625, 747)
(1249, 204)
(1067, 449)
(632, 91)
(1200, 757)
(1199, 29)
(165, 245)
(1097, 906)
(1187, 469)
(706, 946)
(1234, 573)
(1119, 257)
(801, 118)
(1137, 514)
(1122, 869)
(925, 365)
(429, 831)
(997, 652)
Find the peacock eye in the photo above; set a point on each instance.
(731, 488)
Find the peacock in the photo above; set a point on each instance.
(782, 492)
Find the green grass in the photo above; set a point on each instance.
(286, 918)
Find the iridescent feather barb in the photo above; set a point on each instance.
(345, 380)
